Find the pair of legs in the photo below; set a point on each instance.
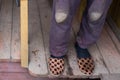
(92, 23)
(90, 28)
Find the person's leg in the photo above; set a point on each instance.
(59, 36)
(91, 27)
(61, 12)
(92, 22)
(60, 32)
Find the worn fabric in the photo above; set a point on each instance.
(90, 28)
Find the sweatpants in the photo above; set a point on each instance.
(92, 23)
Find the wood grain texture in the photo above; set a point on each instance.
(9, 67)
(113, 27)
(5, 29)
(26, 76)
(109, 52)
(14, 71)
(100, 67)
(24, 32)
(15, 41)
(113, 37)
(37, 64)
(111, 77)
(20, 76)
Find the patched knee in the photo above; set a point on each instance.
(94, 16)
(60, 17)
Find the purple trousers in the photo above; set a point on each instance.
(90, 28)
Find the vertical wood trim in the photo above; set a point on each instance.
(24, 33)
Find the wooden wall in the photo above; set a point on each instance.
(115, 12)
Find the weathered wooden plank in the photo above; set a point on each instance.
(113, 37)
(8, 67)
(37, 64)
(26, 76)
(14, 71)
(20, 76)
(113, 27)
(109, 52)
(5, 29)
(100, 67)
(24, 32)
(15, 41)
(111, 77)
(45, 15)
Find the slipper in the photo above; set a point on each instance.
(56, 65)
(86, 65)
(85, 61)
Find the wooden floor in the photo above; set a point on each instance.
(9, 31)
(106, 51)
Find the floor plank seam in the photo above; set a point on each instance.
(112, 40)
(11, 30)
(70, 72)
(42, 38)
(39, 10)
(103, 59)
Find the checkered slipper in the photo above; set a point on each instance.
(86, 65)
(56, 66)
